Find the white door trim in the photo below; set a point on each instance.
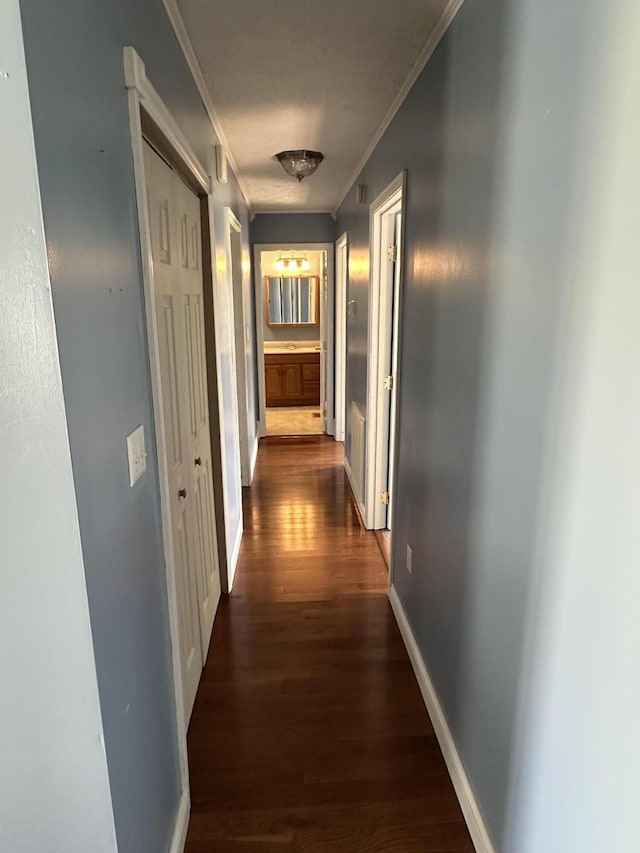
(232, 225)
(326, 311)
(376, 470)
(143, 97)
(341, 289)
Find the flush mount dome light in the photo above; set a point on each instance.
(300, 164)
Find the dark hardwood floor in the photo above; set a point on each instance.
(309, 734)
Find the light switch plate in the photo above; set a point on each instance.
(136, 454)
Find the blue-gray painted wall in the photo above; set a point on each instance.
(488, 137)
(293, 228)
(81, 123)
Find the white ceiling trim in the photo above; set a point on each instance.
(444, 22)
(184, 41)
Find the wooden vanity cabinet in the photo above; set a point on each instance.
(292, 378)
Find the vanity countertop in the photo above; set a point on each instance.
(279, 347)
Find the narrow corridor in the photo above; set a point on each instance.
(309, 733)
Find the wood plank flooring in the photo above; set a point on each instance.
(309, 734)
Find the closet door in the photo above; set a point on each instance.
(198, 434)
(165, 227)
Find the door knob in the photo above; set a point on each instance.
(182, 493)
(198, 460)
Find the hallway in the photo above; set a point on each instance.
(309, 732)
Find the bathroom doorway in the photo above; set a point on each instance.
(294, 320)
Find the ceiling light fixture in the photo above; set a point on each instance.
(300, 164)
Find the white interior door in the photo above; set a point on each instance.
(174, 217)
(229, 420)
(323, 340)
(385, 342)
(386, 272)
(341, 336)
(242, 330)
(395, 330)
(198, 435)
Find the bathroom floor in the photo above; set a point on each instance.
(297, 420)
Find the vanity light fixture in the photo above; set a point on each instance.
(293, 263)
(300, 164)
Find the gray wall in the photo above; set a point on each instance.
(54, 786)
(293, 228)
(79, 104)
(488, 135)
(575, 772)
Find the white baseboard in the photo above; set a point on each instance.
(235, 553)
(254, 456)
(466, 796)
(347, 469)
(179, 837)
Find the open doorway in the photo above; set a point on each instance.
(294, 320)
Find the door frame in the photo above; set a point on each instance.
(145, 103)
(326, 326)
(376, 471)
(236, 288)
(340, 332)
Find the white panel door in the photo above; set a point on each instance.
(228, 404)
(387, 359)
(174, 216)
(324, 316)
(163, 220)
(341, 336)
(393, 397)
(198, 434)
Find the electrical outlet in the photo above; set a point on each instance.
(409, 559)
(136, 454)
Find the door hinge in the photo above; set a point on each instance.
(392, 253)
(388, 383)
(384, 498)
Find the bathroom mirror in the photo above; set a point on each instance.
(292, 300)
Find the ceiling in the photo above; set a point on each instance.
(323, 75)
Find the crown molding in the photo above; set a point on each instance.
(444, 22)
(180, 30)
